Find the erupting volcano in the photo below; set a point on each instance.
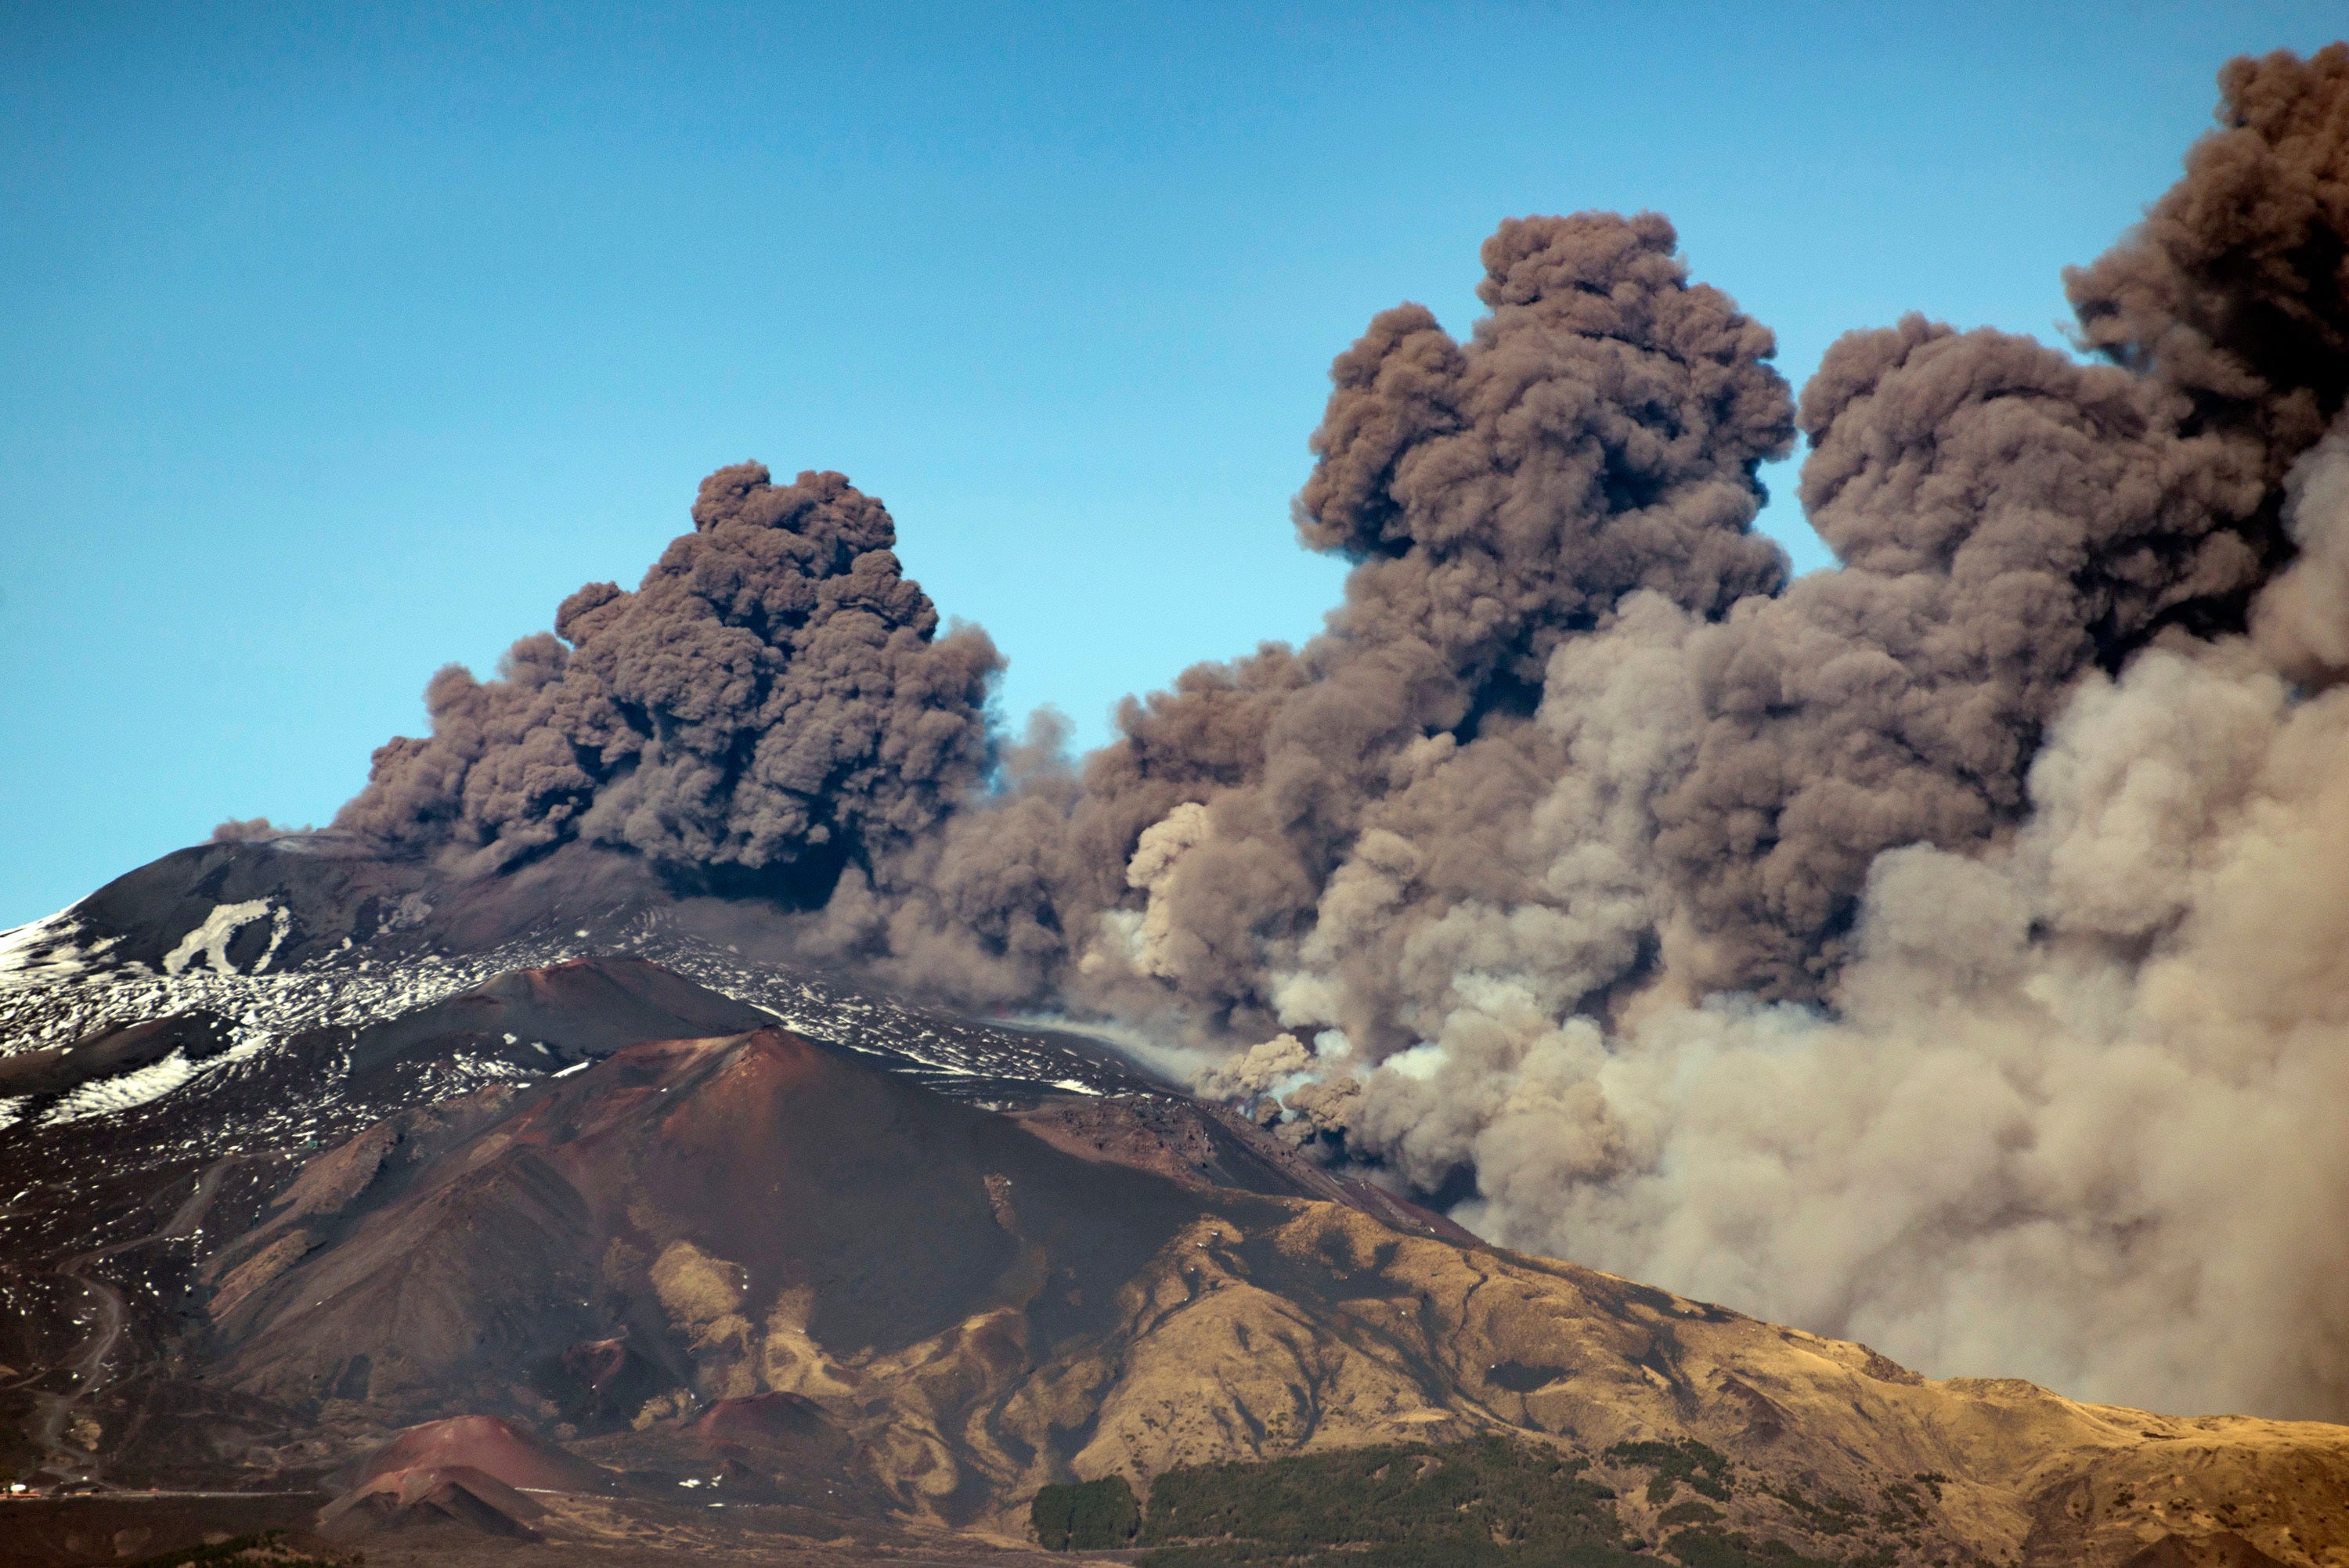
(717, 1059)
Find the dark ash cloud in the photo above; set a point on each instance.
(1845, 947)
(773, 703)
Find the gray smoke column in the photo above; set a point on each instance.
(1597, 438)
(2235, 290)
(2075, 1113)
(1941, 950)
(1570, 720)
(2033, 806)
(2006, 519)
(772, 703)
(1938, 950)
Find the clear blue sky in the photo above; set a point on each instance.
(340, 343)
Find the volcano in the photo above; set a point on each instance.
(468, 1227)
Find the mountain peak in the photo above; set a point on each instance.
(465, 1231)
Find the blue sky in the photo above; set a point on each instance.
(340, 343)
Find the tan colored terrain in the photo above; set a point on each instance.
(925, 1311)
(1322, 1330)
(766, 1297)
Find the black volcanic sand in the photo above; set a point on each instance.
(111, 1216)
(538, 1019)
(329, 892)
(334, 894)
(333, 912)
(52, 1070)
(566, 1012)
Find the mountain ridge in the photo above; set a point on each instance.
(894, 1281)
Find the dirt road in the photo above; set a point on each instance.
(52, 1412)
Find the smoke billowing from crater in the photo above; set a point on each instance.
(1941, 950)
(771, 702)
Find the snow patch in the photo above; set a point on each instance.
(58, 985)
(281, 921)
(125, 1091)
(472, 1066)
(210, 941)
(136, 1087)
(47, 952)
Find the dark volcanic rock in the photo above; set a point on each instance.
(601, 1383)
(557, 1016)
(753, 1240)
(42, 1075)
(432, 1497)
(1204, 1144)
(485, 1444)
(327, 889)
(648, 1193)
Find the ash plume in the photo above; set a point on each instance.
(771, 702)
(1598, 436)
(2006, 518)
(1940, 950)
(2029, 806)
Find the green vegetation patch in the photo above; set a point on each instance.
(1833, 1515)
(1488, 1504)
(1676, 1461)
(267, 1549)
(1093, 1515)
(1492, 1504)
(1711, 1548)
(1903, 1508)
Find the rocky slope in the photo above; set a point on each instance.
(749, 1239)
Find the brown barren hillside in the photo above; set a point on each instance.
(810, 1267)
(694, 1294)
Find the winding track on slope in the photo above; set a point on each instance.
(53, 1411)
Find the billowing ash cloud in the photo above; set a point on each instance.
(772, 703)
(2012, 793)
(1942, 949)
(2073, 1114)
(2006, 518)
(1597, 438)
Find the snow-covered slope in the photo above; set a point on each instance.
(262, 963)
